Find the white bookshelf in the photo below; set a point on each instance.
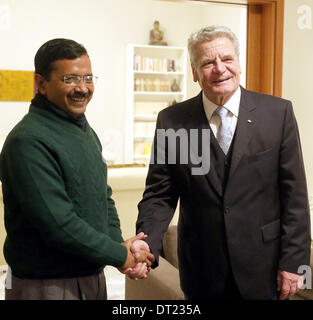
(172, 73)
(151, 72)
(145, 117)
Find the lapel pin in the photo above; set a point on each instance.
(250, 121)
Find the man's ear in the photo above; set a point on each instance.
(40, 83)
(194, 73)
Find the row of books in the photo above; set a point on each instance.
(154, 85)
(153, 64)
(142, 148)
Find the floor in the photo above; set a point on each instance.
(2, 283)
(114, 279)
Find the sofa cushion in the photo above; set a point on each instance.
(162, 284)
(170, 246)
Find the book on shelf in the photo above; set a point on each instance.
(142, 148)
(153, 85)
(148, 64)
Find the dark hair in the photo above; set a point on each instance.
(53, 50)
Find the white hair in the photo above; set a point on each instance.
(208, 34)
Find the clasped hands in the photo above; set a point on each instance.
(139, 258)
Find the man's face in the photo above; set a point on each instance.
(217, 69)
(72, 99)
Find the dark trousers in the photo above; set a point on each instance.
(82, 288)
(230, 293)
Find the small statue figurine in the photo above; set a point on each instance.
(156, 35)
(172, 103)
(175, 86)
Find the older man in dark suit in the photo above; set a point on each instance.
(244, 227)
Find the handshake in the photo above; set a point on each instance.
(139, 258)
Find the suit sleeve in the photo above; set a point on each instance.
(295, 217)
(159, 202)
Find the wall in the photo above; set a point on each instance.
(105, 28)
(127, 196)
(297, 73)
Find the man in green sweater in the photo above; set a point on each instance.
(61, 222)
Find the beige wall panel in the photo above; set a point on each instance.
(297, 75)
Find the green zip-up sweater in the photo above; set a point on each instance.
(60, 219)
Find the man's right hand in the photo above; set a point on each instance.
(136, 253)
(139, 246)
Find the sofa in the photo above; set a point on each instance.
(163, 282)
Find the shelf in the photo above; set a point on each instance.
(152, 48)
(157, 96)
(143, 139)
(145, 117)
(166, 73)
(157, 93)
(142, 156)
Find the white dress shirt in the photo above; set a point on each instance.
(232, 105)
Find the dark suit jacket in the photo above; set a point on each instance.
(258, 225)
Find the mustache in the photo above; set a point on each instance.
(79, 95)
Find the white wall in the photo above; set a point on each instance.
(297, 77)
(105, 28)
(297, 74)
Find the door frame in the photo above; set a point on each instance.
(265, 36)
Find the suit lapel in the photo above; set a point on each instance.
(245, 124)
(198, 120)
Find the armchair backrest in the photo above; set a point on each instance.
(170, 246)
